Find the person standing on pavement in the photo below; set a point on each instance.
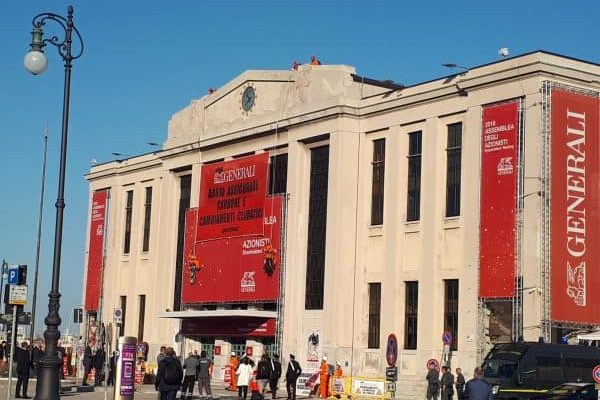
(460, 384)
(88, 363)
(99, 367)
(21, 356)
(205, 367)
(477, 388)
(291, 376)
(447, 383)
(275, 374)
(234, 363)
(324, 378)
(433, 383)
(169, 376)
(244, 374)
(36, 355)
(263, 373)
(190, 365)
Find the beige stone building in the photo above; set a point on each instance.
(382, 220)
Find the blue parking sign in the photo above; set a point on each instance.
(13, 275)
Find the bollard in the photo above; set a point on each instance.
(125, 374)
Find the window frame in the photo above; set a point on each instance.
(378, 182)
(128, 222)
(147, 219)
(451, 309)
(374, 327)
(411, 315)
(413, 186)
(453, 169)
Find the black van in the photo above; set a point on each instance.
(529, 369)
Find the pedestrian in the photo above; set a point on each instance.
(112, 362)
(263, 372)
(169, 376)
(324, 378)
(433, 383)
(244, 373)
(447, 383)
(477, 388)
(233, 365)
(36, 355)
(275, 374)
(460, 384)
(291, 376)
(88, 363)
(190, 365)
(204, 370)
(21, 356)
(99, 367)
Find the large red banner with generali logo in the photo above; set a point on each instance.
(575, 218)
(235, 269)
(93, 287)
(500, 128)
(232, 195)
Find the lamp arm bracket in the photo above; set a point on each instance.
(67, 24)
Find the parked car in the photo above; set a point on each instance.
(531, 369)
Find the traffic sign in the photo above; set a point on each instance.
(596, 374)
(117, 316)
(391, 374)
(391, 351)
(13, 275)
(447, 338)
(17, 295)
(433, 363)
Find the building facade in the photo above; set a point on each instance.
(430, 212)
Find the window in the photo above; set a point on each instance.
(549, 369)
(317, 228)
(185, 190)
(451, 310)
(128, 216)
(411, 312)
(453, 154)
(278, 174)
(147, 215)
(377, 182)
(374, 314)
(123, 315)
(141, 317)
(413, 204)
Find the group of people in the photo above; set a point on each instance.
(443, 387)
(27, 359)
(268, 373)
(173, 376)
(94, 359)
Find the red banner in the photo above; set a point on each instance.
(236, 269)
(228, 326)
(500, 127)
(93, 285)
(575, 229)
(232, 196)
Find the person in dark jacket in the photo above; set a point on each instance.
(88, 363)
(169, 375)
(21, 356)
(275, 374)
(433, 383)
(112, 363)
(460, 384)
(263, 372)
(478, 388)
(99, 361)
(291, 376)
(447, 383)
(36, 355)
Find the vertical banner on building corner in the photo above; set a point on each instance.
(93, 286)
(499, 162)
(575, 206)
(232, 196)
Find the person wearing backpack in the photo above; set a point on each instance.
(169, 376)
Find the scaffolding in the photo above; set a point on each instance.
(282, 267)
(517, 299)
(545, 217)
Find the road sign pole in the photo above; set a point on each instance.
(12, 350)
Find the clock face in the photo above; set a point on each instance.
(248, 98)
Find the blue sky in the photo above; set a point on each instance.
(144, 60)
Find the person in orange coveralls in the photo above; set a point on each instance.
(324, 378)
(338, 369)
(233, 363)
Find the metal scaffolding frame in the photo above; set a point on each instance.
(517, 299)
(282, 269)
(545, 214)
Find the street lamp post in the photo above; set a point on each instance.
(48, 383)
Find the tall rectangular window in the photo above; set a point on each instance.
(278, 174)
(374, 314)
(128, 217)
(123, 301)
(185, 191)
(147, 218)
(317, 228)
(141, 317)
(451, 310)
(411, 313)
(453, 154)
(413, 204)
(377, 182)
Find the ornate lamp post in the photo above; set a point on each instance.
(35, 62)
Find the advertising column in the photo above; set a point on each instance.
(125, 376)
(499, 163)
(575, 205)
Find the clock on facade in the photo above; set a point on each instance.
(248, 98)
